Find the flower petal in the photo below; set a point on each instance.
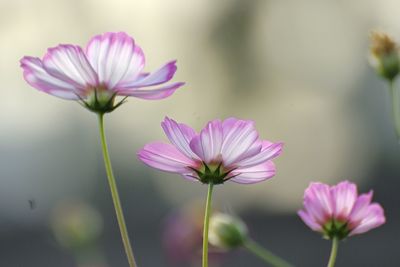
(152, 94)
(374, 217)
(268, 151)
(69, 63)
(39, 78)
(208, 144)
(162, 75)
(180, 136)
(239, 140)
(166, 157)
(344, 196)
(318, 202)
(115, 57)
(254, 174)
(360, 209)
(309, 220)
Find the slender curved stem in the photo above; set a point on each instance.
(264, 254)
(335, 246)
(115, 196)
(206, 224)
(395, 97)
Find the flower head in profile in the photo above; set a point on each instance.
(222, 151)
(384, 55)
(338, 211)
(110, 65)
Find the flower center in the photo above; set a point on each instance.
(212, 173)
(336, 228)
(100, 100)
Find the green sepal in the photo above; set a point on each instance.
(335, 228)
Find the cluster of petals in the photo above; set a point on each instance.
(111, 62)
(233, 145)
(324, 204)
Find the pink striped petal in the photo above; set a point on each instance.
(373, 218)
(152, 94)
(254, 174)
(318, 202)
(344, 196)
(115, 58)
(269, 151)
(239, 140)
(39, 78)
(69, 63)
(360, 209)
(162, 75)
(307, 219)
(208, 144)
(166, 157)
(180, 136)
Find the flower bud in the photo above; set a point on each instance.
(384, 55)
(226, 232)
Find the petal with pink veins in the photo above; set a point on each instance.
(162, 75)
(166, 157)
(180, 136)
(69, 64)
(318, 201)
(344, 196)
(254, 174)
(207, 145)
(39, 78)
(239, 141)
(152, 94)
(360, 209)
(307, 219)
(373, 218)
(115, 58)
(269, 151)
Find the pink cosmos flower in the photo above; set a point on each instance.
(223, 150)
(338, 211)
(110, 65)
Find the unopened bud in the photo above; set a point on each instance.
(384, 55)
(226, 232)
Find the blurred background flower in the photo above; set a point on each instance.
(298, 68)
(183, 235)
(77, 227)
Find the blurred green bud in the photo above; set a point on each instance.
(76, 225)
(384, 55)
(226, 232)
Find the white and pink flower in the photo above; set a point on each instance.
(223, 150)
(338, 211)
(110, 65)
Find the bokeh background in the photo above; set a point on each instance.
(298, 68)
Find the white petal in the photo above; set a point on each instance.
(115, 58)
(180, 135)
(239, 140)
(208, 144)
(69, 63)
(269, 151)
(39, 78)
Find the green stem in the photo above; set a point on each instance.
(332, 258)
(394, 94)
(264, 254)
(115, 196)
(206, 224)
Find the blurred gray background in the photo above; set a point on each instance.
(298, 68)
